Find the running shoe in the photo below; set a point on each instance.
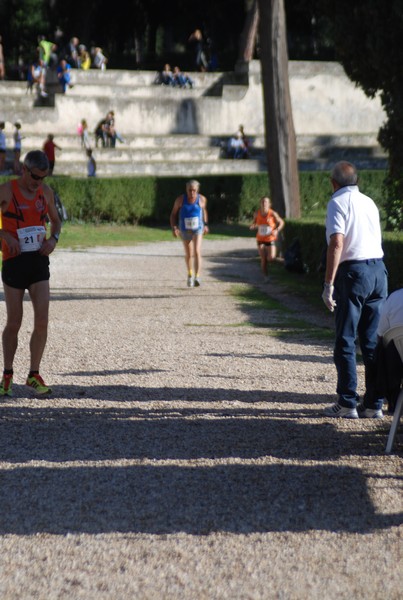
(190, 281)
(6, 385)
(336, 410)
(36, 382)
(369, 413)
(197, 282)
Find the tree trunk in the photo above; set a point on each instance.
(249, 33)
(280, 135)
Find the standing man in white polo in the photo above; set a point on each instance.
(355, 289)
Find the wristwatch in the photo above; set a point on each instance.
(56, 236)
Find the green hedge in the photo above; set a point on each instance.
(231, 198)
(119, 200)
(150, 199)
(311, 235)
(315, 190)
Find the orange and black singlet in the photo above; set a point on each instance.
(266, 227)
(25, 219)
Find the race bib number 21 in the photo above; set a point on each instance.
(31, 238)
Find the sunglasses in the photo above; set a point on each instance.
(36, 177)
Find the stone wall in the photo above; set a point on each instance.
(324, 101)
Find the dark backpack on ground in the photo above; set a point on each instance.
(293, 258)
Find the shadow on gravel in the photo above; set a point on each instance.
(198, 500)
(310, 358)
(125, 393)
(94, 434)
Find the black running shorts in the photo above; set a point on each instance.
(25, 269)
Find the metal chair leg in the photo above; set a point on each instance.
(395, 422)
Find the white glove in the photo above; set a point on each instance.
(327, 296)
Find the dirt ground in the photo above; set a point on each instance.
(184, 453)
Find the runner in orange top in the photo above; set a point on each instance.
(22, 216)
(25, 204)
(268, 224)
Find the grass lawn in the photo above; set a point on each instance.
(85, 235)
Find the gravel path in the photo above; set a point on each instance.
(183, 454)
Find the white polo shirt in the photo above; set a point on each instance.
(392, 312)
(356, 216)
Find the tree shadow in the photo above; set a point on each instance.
(248, 432)
(179, 484)
(166, 499)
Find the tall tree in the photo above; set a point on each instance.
(367, 37)
(280, 135)
(249, 32)
(25, 19)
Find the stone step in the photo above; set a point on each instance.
(151, 91)
(325, 146)
(326, 164)
(72, 139)
(306, 145)
(136, 83)
(117, 77)
(178, 153)
(80, 93)
(161, 168)
(121, 156)
(13, 88)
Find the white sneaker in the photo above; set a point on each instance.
(336, 410)
(197, 282)
(369, 413)
(190, 281)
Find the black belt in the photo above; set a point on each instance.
(368, 261)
